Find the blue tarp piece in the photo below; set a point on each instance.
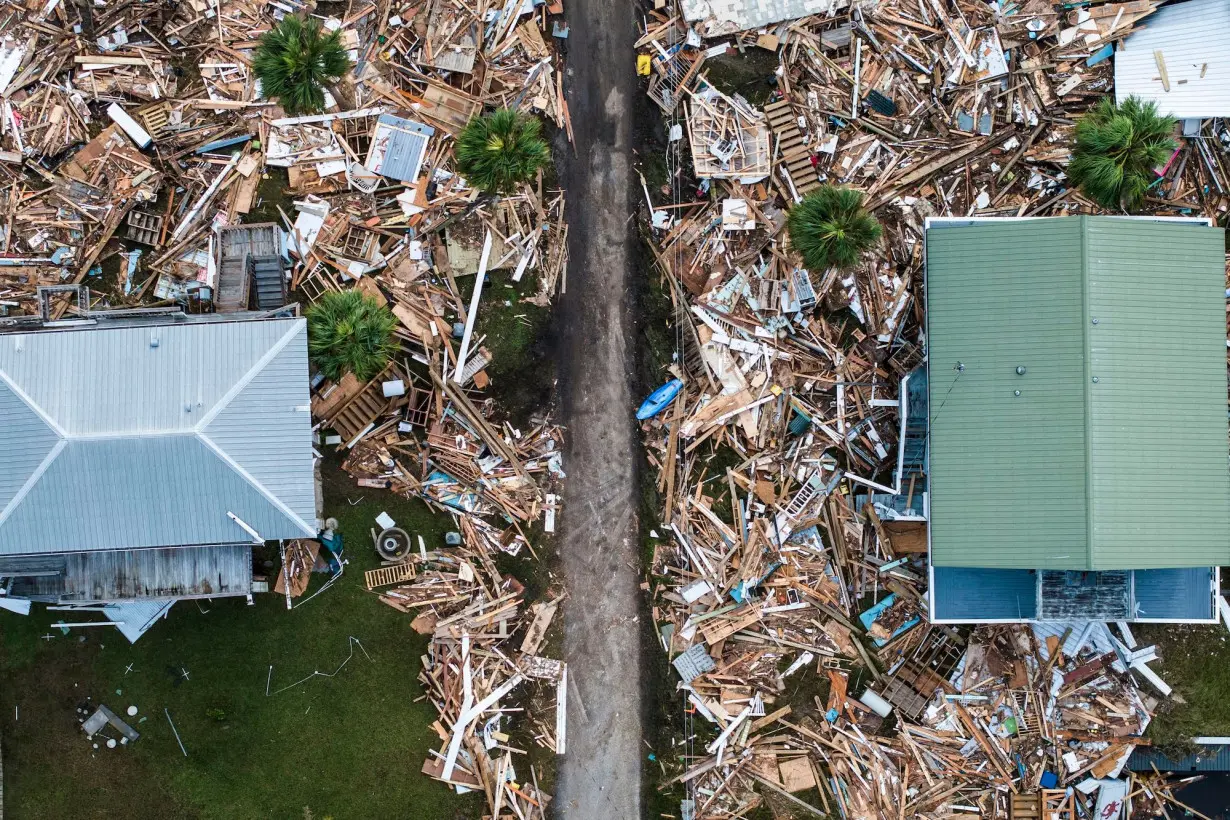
(869, 617)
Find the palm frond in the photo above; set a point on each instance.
(296, 60)
(499, 151)
(1117, 149)
(830, 228)
(350, 332)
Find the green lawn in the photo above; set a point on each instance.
(349, 746)
(1195, 661)
(521, 368)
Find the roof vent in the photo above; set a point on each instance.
(153, 341)
(1020, 370)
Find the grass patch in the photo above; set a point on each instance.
(654, 322)
(518, 337)
(321, 749)
(271, 192)
(750, 74)
(1195, 661)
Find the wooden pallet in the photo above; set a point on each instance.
(792, 151)
(386, 576)
(144, 228)
(155, 117)
(1025, 807)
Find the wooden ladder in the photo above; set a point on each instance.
(806, 494)
(386, 576)
(794, 154)
(359, 412)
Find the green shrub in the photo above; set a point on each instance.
(830, 228)
(1117, 148)
(350, 332)
(296, 60)
(498, 151)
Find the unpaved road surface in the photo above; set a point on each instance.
(600, 776)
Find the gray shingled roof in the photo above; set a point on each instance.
(132, 437)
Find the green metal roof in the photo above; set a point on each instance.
(1125, 472)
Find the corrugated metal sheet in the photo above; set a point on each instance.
(1007, 477)
(1081, 633)
(113, 381)
(1194, 39)
(1157, 414)
(136, 618)
(1074, 474)
(27, 442)
(730, 16)
(124, 493)
(131, 468)
(1173, 594)
(261, 429)
(967, 594)
(974, 595)
(1208, 759)
(398, 147)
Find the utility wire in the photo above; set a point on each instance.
(960, 368)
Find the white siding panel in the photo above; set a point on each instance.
(1194, 38)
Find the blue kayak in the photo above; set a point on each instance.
(659, 399)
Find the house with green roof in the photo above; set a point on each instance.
(1077, 450)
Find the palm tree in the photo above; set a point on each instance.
(498, 151)
(296, 60)
(830, 228)
(349, 331)
(1117, 148)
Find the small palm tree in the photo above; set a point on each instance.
(349, 331)
(830, 228)
(498, 151)
(296, 60)
(1117, 148)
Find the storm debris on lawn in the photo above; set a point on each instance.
(142, 168)
(789, 576)
(471, 612)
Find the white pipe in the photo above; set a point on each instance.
(876, 703)
(256, 536)
(208, 195)
(90, 623)
(473, 314)
(138, 134)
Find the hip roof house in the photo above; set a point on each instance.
(1078, 429)
(143, 459)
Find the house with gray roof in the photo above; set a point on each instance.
(144, 457)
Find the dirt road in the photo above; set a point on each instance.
(600, 774)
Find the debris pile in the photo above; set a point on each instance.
(471, 611)
(135, 138)
(1010, 716)
(933, 109)
(789, 578)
